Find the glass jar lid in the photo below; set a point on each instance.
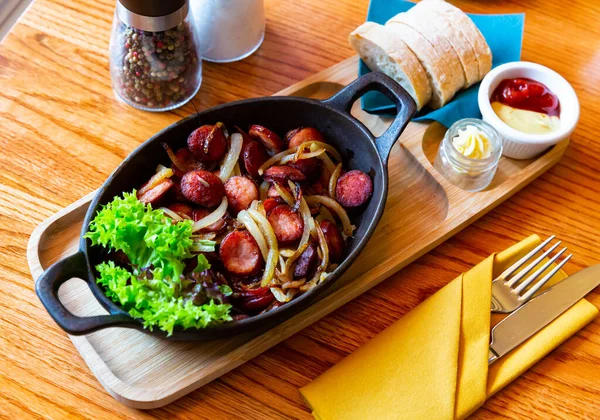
(152, 15)
(465, 163)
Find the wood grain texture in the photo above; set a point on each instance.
(146, 372)
(63, 133)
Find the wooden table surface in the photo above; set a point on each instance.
(62, 132)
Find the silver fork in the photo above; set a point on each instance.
(508, 294)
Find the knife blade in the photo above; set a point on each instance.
(540, 311)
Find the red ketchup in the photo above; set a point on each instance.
(527, 94)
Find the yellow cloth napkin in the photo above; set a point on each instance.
(433, 362)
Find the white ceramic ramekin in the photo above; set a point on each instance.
(519, 145)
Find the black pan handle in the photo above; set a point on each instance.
(405, 106)
(47, 289)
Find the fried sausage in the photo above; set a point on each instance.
(155, 194)
(268, 138)
(354, 189)
(310, 167)
(217, 227)
(295, 138)
(240, 254)
(334, 240)
(240, 192)
(208, 143)
(202, 188)
(254, 155)
(270, 203)
(282, 174)
(258, 303)
(316, 188)
(182, 209)
(287, 224)
(253, 300)
(273, 193)
(307, 262)
(187, 162)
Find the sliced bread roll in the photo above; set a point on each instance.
(384, 51)
(463, 23)
(436, 37)
(427, 11)
(443, 82)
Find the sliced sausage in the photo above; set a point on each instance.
(245, 137)
(155, 194)
(316, 188)
(268, 138)
(283, 174)
(334, 240)
(310, 168)
(240, 192)
(287, 224)
(202, 188)
(182, 209)
(176, 195)
(258, 303)
(307, 262)
(295, 138)
(273, 193)
(354, 189)
(187, 161)
(240, 254)
(270, 203)
(253, 300)
(254, 155)
(217, 227)
(208, 143)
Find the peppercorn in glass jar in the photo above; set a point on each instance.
(154, 60)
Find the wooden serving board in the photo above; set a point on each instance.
(422, 211)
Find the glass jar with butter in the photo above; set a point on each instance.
(469, 153)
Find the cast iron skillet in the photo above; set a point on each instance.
(351, 138)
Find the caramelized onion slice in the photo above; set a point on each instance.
(273, 256)
(320, 274)
(299, 156)
(334, 179)
(287, 197)
(329, 165)
(171, 214)
(336, 208)
(252, 227)
(276, 159)
(306, 218)
(235, 148)
(162, 174)
(328, 148)
(263, 190)
(213, 217)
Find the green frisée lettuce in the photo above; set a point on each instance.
(148, 237)
(157, 249)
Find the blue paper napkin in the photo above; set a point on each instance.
(504, 35)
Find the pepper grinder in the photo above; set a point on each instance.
(154, 56)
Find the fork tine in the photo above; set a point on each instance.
(536, 287)
(531, 266)
(510, 270)
(538, 273)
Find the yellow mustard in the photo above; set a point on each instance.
(530, 122)
(471, 142)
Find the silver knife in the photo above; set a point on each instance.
(540, 311)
